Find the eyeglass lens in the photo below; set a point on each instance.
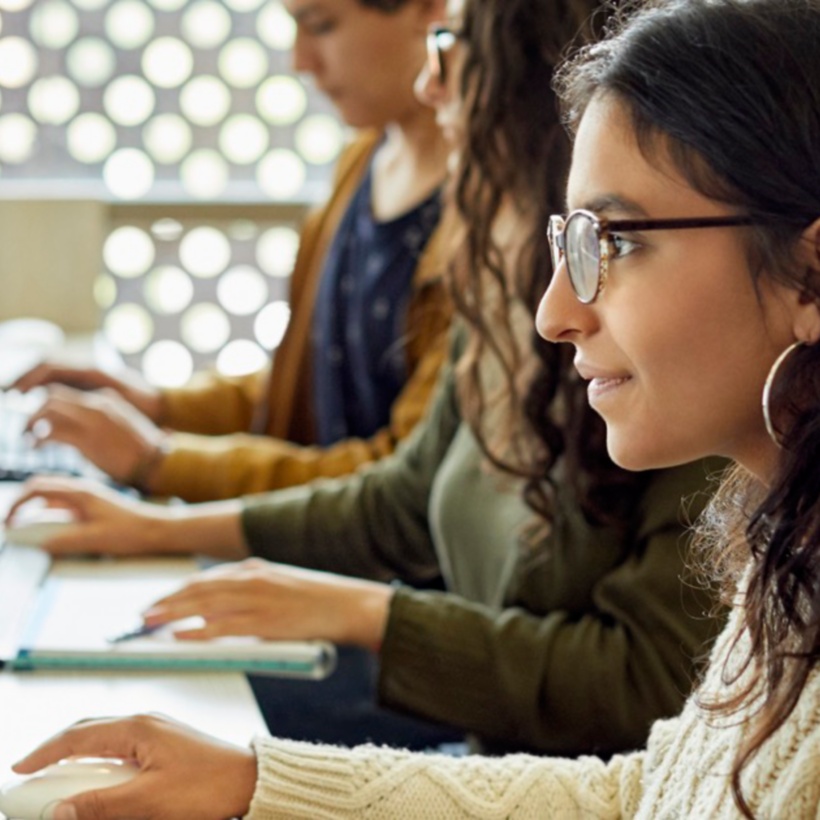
(439, 41)
(582, 246)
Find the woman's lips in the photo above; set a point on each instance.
(601, 386)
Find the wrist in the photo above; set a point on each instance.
(147, 465)
(213, 529)
(244, 778)
(369, 614)
(161, 534)
(155, 407)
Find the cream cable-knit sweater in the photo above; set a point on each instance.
(683, 773)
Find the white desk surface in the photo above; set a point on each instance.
(35, 705)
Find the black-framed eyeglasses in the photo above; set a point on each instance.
(585, 241)
(440, 39)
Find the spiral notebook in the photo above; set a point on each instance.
(82, 604)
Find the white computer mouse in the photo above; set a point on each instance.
(35, 796)
(34, 530)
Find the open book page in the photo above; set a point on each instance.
(83, 605)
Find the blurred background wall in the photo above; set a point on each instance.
(156, 157)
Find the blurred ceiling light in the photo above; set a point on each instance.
(243, 62)
(91, 138)
(53, 100)
(243, 139)
(167, 138)
(281, 100)
(241, 356)
(91, 61)
(129, 100)
(128, 252)
(206, 24)
(167, 62)
(242, 290)
(53, 24)
(204, 174)
(318, 138)
(281, 174)
(205, 252)
(205, 100)
(18, 62)
(276, 251)
(129, 24)
(128, 173)
(275, 27)
(167, 364)
(271, 323)
(18, 136)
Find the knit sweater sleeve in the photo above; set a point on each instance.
(300, 780)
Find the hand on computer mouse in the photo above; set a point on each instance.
(179, 773)
(36, 797)
(35, 524)
(106, 522)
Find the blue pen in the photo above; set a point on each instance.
(140, 632)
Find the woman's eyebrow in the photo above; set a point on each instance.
(607, 203)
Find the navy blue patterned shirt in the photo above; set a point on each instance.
(359, 321)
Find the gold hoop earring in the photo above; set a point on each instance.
(767, 391)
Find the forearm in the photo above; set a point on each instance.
(554, 684)
(211, 404)
(208, 468)
(300, 780)
(213, 529)
(340, 526)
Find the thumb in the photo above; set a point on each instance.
(112, 803)
(85, 806)
(66, 811)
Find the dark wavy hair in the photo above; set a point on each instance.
(516, 150)
(729, 90)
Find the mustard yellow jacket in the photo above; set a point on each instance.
(236, 436)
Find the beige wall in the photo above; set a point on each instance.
(50, 255)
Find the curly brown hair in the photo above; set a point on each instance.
(516, 151)
(700, 78)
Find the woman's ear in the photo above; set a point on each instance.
(811, 237)
(807, 317)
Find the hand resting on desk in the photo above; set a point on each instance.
(277, 602)
(183, 774)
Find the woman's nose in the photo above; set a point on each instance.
(561, 317)
(429, 88)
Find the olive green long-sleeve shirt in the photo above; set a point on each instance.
(575, 645)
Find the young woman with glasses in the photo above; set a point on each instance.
(289, 779)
